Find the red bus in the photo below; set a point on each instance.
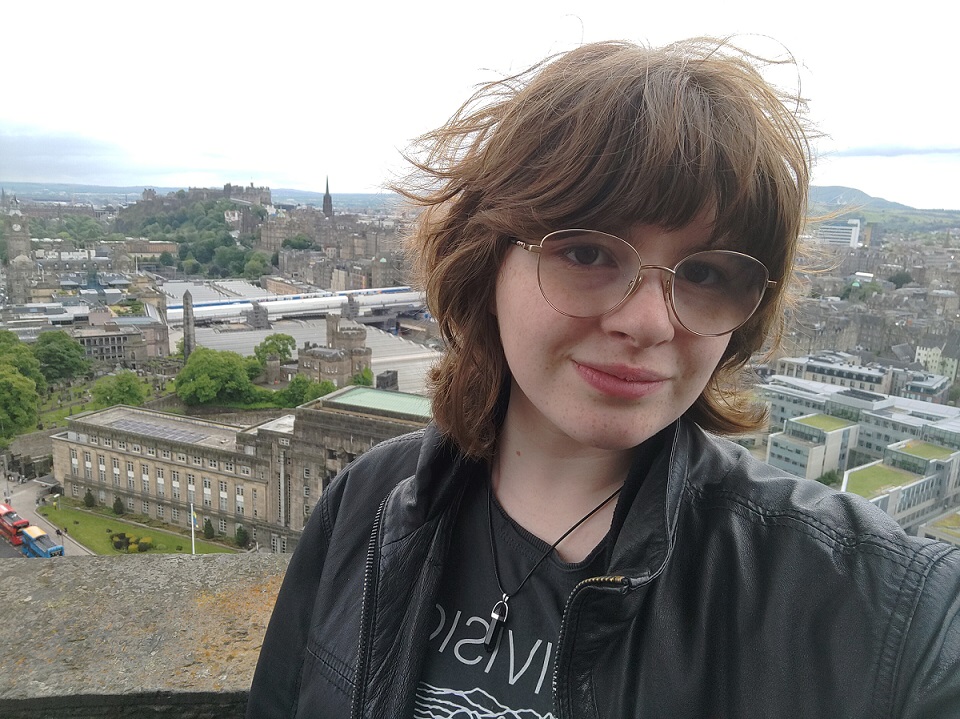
(11, 524)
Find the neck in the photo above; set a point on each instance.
(531, 466)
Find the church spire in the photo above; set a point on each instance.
(328, 201)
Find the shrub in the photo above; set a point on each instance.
(88, 499)
(118, 545)
(117, 505)
(143, 546)
(133, 548)
(179, 547)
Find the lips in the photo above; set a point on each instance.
(620, 380)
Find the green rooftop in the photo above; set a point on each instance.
(874, 480)
(949, 524)
(825, 422)
(407, 406)
(925, 450)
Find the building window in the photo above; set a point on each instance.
(175, 514)
(116, 464)
(86, 457)
(212, 463)
(152, 451)
(160, 473)
(94, 439)
(181, 457)
(306, 490)
(146, 508)
(130, 504)
(223, 504)
(228, 466)
(75, 490)
(331, 454)
(306, 473)
(206, 483)
(101, 460)
(121, 444)
(135, 448)
(245, 471)
(86, 473)
(165, 453)
(284, 442)
(146, 484)
(103, 476)
(145, 470)
(130, 468)
(175, 475)
(107, 442)
(73, 453)
(198, 461)
(239, 507)
(160, 511)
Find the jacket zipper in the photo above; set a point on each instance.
(624, 583)
(369, 589)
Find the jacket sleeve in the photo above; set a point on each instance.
(276, 681)
(930, 672)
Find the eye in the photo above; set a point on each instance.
(587, 255)
(701, 272)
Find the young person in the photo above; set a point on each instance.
(606, 240)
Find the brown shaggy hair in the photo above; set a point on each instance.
(605, 136)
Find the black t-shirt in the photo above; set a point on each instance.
(460, 678)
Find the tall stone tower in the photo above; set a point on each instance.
(189, 330)
(18, 240)
(328, 202)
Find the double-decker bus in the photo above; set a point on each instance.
(11, 524)
(36, 543)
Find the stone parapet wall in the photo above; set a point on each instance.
(133, 636)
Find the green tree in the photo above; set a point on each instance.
(117, 505)
(257, 265)
(279, 344)
(298, 242)
(60, 356)
(122, 388)
(19, 402)
(208, 528)
(364, 377)
(167, 260)
(831, 478)
(214, 376)
(18, 355)
(900, 278)
(242, 536)
(88, 500)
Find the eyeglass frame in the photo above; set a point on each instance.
(637, 280)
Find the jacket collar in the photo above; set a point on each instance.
(646, 537)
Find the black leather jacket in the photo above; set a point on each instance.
(733, 591)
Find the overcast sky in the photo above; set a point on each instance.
(286, 94)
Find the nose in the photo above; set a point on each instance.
(645, 316)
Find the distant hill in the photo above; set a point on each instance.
(837, 196)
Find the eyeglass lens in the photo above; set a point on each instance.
(584, 273)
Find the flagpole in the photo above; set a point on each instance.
(193, 530)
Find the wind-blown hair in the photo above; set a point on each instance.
(605, 136)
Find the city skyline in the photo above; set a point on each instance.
(192, 95)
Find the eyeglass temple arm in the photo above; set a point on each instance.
(526, 246)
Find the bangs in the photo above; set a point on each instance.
(612, 135)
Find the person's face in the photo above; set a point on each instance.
(607, 382)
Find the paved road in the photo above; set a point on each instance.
(24, 500)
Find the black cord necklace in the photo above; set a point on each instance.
(498, 616)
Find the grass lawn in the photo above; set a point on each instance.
(93, 530)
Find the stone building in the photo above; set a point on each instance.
(266, 477)
(345, 355)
